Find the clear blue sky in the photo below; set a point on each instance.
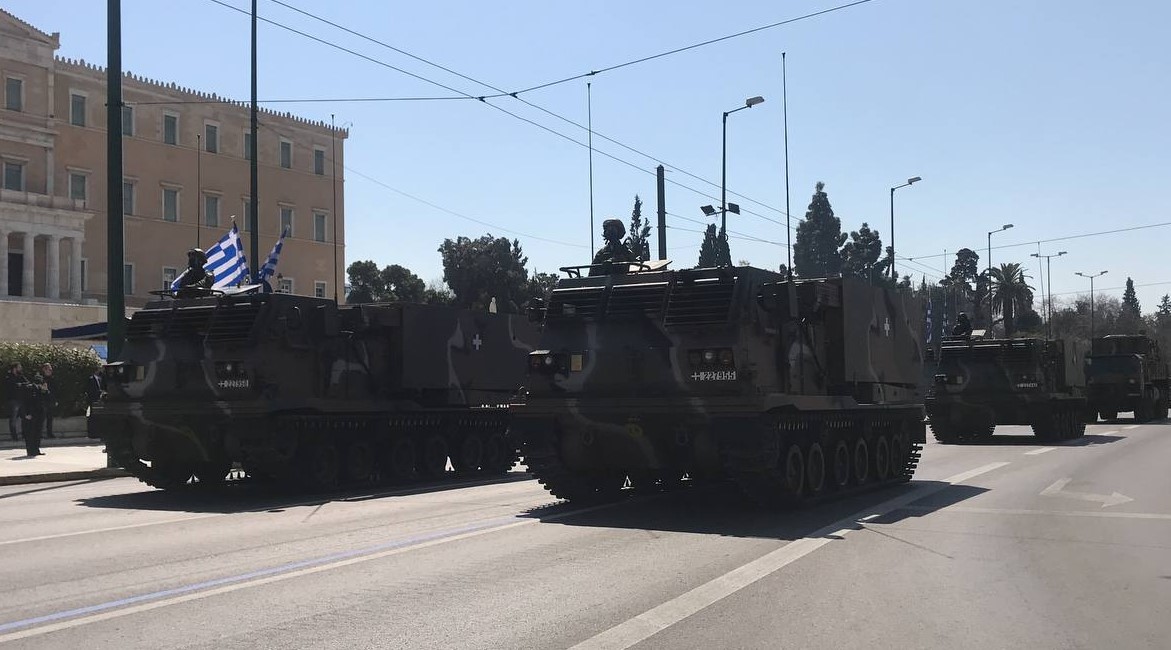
(1052, 115)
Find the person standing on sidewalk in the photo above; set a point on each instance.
(50, 397)
(15, 387)
(33, 413)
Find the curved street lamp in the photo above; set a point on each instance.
(990, 233)
(1091, 276)
(910, 181)
(748, 103)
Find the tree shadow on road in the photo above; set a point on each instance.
(720, 509)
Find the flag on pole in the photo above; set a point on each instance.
(930, 329)
(225, 261)
(269, 268)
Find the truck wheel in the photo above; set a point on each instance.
(432, 461)
(1108, 415)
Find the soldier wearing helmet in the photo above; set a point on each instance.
(963, 326)
(613, 251)
(195, 281)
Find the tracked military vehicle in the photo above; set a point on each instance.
(981, 383)
(299, 389)
(795, 390)
(1127, 373)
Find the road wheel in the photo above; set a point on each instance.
(170, 475)
(881, 458)
(360, 462)
(793, 473)
(841, 465)
(320, 466)
(499, 457)
(398, 463)
(432, 460)
(212, 472)
(1108, 415)
(861, 461)
(815, 469)
(470, 455)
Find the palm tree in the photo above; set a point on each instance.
(1010, 293)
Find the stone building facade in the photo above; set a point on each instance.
(186, 175)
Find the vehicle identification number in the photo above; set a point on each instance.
(714, 375)
(234, 383)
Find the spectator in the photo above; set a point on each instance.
(50, 398)
(95, 392)
(33, 414)
(15, 386)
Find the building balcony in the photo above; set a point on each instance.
(35, 200)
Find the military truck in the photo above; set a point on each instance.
(794, 389)
(984, 382)
(1127, 373)
(302, 390)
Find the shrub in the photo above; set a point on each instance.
(72, 368)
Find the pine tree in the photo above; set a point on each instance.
(640, 231)
(1130, 318)
(819, 238)
(709, 254)
(860, 256)
(723, 253)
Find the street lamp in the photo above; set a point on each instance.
(990, 233)
(910, 181)
(748, 103)
(1091, 277)
(1049, 301)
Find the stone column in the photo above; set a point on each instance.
(26, 285)
(3, 263)
(53, 267)
(75, 269)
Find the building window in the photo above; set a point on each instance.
(287, 220)
(84, 274)
(128, 279)
(286, 154)
(77, 109)
(169, 275)
(77, 186)
(127, 197)
(319, 289)
(285, 285)
(247, 145)
(14, 94)
(13, 176)
(128, 121)
(211, 210)
(170, 129)
(170, 204)
(318, 226)
(247, 215)
(211, 138)
(319, 161)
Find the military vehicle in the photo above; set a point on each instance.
(983, 382)
(300, 389)
(795, 390)
(1127, 373)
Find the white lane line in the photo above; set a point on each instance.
(1038, 452)
(1133, 426)
(75, 533)
(263, 577)
(1109, 432)
(1048, 513)
(657, 619)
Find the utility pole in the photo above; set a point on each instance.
(661, 183)
(1091, 276)
(254, 171)
(115, 244)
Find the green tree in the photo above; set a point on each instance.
(709, 250)
(541, 286)
(478, 270)
(819, 238)
(1131, 316)
(393, 283)
(860, 256)
(365, 282)
(437, 293)
(723, 252)
(1011, 294)
(638, 241)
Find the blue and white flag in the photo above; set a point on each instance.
(269, 268)
(225, 261)
(930, 329)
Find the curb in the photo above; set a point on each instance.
(81, 475)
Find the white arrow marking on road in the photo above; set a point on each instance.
(1038, 452)
(1057, 490)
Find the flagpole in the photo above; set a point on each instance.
(198, 182)
(333, 155)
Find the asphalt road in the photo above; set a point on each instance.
(1001, 545)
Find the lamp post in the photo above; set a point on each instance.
(1091, 277)
(748, 103)
(910, 181)
(1049, 301)
(990, 233)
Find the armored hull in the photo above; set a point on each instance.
(794, 390)
(298, 389)
(1127, 373)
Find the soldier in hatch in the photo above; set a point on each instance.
(196, 281)
(963, 326)
(613, 251)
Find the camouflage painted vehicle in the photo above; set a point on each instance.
(795, 390)
(1127, 373)
(981, 383)
(298, 388)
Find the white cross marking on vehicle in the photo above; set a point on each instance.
(477, 342)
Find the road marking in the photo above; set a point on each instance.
(1099, 514)
(146, 602)
(1038, 452)
(1058, 490)
(1110, 432)
(657, 619)
(1133, 426)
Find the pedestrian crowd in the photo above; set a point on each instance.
(31, 400)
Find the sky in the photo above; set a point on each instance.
(1051, 115)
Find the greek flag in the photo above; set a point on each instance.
(930, 329)
(225, 261)
(269, 267)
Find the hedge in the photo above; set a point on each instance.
(72, 368)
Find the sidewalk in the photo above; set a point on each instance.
(70, 458)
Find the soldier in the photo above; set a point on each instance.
(196, 280)
(962, 327)
(15, 385)
(50, 397)
(613, 251)
(33, 411)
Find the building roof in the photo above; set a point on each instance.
(53, 39)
